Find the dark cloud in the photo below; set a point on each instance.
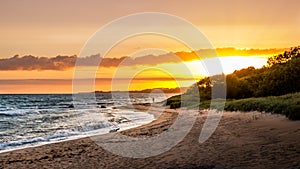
(37, 63)
(94, 60)
(65, 62)
(149, 60)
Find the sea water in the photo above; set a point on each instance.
(35, 119)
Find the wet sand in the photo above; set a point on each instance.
(242, 140)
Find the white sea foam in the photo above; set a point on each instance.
(33, 120)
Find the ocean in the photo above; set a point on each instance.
(35, 119)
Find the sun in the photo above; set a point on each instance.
(229, 64)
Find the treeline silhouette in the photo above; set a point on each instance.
(280, 76)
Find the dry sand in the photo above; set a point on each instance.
(242, 140)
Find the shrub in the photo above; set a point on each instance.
(175, 105)
(293, 112)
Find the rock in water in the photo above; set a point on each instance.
(71, 106)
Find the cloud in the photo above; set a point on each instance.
(30, 62)
(149, 60)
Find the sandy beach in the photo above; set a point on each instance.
(242, 140)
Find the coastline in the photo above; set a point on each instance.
(90, 133)
(251, 140)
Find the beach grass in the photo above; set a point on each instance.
(288, 105)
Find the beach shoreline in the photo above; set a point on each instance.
(249, 140)
(138, 108)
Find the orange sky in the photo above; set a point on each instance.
(51, 28)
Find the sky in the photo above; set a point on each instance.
(54, 32)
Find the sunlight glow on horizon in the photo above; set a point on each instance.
(232, 63)
(192, 70)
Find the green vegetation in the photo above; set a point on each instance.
(252, 89)
(288, 105)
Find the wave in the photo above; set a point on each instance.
(31, 120)
(74, 133)
(33, 141)
(80, 131)
(18, 112)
